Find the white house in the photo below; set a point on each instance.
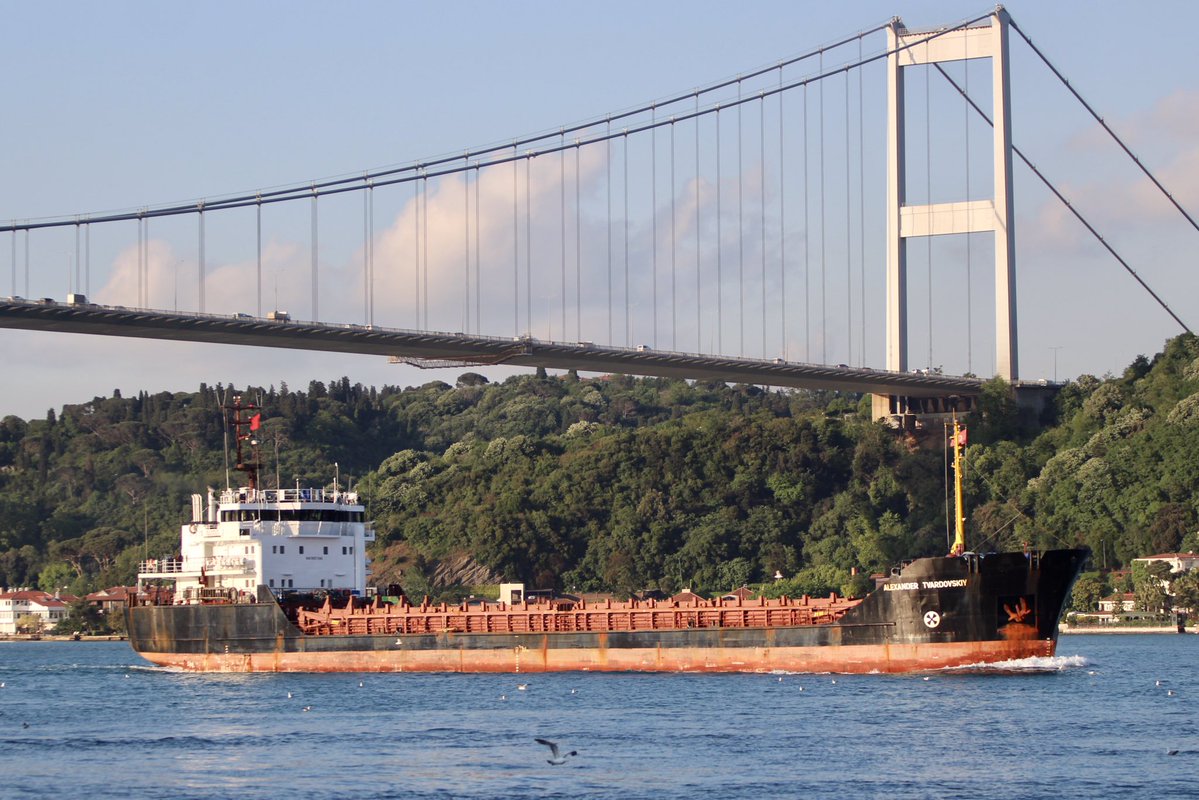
(14, 605)
(1179, 562)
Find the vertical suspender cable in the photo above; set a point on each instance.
(424, 246)
(782, 232)
(928, 198)
(762, 204)
(77, 264)
(608, 237)
(14, 259)
(370, 306)
(969, 240)
(861, 211)
(366, 249)
(315, 262)
(807, 239)
(578, 254)
(142, 235)
(87, 260)
(719, 247)
(674, 330)
(515, 251)
(201, 261)
(140, 255)
(698, 299)
(416, 252)
(823, 236)
(146, 299)
(653, 168)
(740, 229)
(478, 254)
(562, 204)
(26, 262)
(628, 320)
(466, 246)
(258, 260)
(528, 247)
(848, 235)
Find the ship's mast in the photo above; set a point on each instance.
(959, 511)
(244, 431)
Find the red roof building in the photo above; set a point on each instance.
(47, 609)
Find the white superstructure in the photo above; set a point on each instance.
(300, 540)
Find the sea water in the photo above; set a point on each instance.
(1101, 719)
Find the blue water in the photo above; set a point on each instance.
(1089, 723)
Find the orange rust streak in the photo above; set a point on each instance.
(847, 659)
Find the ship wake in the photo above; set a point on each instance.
(1033, 665)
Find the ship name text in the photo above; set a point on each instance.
(952, 583)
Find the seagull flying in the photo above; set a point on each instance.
(557, 758)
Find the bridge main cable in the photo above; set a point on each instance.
(1077, 214)
(420, 170)
(1106, 127)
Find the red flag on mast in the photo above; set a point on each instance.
(255, 422)
(962, 438)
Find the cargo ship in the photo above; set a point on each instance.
(275, 580)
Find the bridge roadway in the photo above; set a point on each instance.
(462, 350)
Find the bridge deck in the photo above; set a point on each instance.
(469, 349)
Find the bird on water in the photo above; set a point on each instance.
(556, 757)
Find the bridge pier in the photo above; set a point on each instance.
(902, 411)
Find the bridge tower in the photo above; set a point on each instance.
(909, 48)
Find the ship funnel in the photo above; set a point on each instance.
(211, 517)
(197, 508)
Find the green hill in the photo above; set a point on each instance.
(615, 482)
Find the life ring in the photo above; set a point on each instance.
(192, 527)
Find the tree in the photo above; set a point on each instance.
(30, 623)
(55, 577)
(1149, 585)
(82, 617)
(1088, 591)
(1185, 589)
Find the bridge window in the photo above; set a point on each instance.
(308, 515)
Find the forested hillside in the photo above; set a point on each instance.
(615, 483)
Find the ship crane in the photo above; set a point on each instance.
(958, 438)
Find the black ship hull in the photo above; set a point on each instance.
(974, 609)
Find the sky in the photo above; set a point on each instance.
(130, 104)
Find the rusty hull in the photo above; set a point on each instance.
(935, 613)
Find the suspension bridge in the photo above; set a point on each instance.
(716, 234)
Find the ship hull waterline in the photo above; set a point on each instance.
(839, 659)
(936, 613)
